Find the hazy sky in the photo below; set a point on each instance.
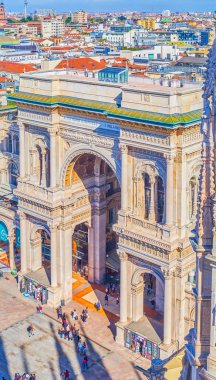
(114, 5)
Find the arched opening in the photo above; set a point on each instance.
(94, 241)
(9, 247)
(4, 245)
(145, 332)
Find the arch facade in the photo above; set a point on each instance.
(78, 150)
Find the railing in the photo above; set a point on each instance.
(156, 229)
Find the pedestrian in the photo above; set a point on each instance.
(84, 348)
(66, 374)
(59, 312)
(106, 299)
(79, 346)
(40, 309)
(61, 332)
(75, 316)
(30, 330)
(117, 300)
(107, 290)
(70, 335)
(84, 363)
(98, 305)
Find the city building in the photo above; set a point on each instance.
(147, 23)
(113, 173)
(53, 27)
(80, 17)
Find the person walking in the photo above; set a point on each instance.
(67, 374)
(84, 363)
(30, 330)
(117, 300)
(98, 305)
(106, 300)
(59, 312)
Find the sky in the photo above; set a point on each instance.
(113, 5)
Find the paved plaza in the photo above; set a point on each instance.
(46, 354)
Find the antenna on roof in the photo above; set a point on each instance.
(25, 8)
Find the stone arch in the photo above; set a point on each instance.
(36, 227)
(42, 143)
(147, 269)
(80, 149)
(150, 167)
(194, 170)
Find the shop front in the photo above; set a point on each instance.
(33, 290)
(137, 343)
(80, 252)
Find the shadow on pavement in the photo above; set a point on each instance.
(4, 370)
(64, 361)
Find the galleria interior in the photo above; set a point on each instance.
(106, 187)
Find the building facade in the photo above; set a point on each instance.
(117, 165)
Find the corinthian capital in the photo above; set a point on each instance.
(122, 256)
(123, 148)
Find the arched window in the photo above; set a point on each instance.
(160, 199)
(13, 172)
(9, 147)
(16, 144)
(147, 194)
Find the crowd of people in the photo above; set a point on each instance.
(71, 332)
(25, 376)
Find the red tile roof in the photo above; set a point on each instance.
(81, 64)
(16, 68)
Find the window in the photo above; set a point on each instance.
(111, 216)
(9, 143)
(147, 194)
(16, 144)
(13, 174)
(160, 199)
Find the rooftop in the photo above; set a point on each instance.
(109, 110)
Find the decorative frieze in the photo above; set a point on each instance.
(152, 138)
(87, 138)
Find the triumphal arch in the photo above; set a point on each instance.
(118, 165)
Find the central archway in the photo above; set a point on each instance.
(90, 174)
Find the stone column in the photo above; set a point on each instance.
(124, 177)
(54, 271)
(11, 251)
(169, 191)
(23, 239)
(36, 252)
(137, 301)
(53, 157)
(91, 264)
(152, 200)
(67, 233)
(99, 226)
(43, 171)
(167, 308)
(22, 157)
(123, 286)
